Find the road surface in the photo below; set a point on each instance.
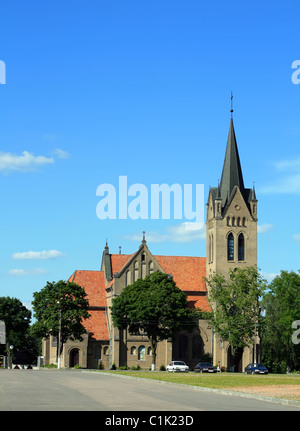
(77, 390)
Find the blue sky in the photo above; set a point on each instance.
(100, 89)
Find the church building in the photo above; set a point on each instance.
(231, 242)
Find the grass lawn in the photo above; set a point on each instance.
(218, 380)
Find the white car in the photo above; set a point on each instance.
(177, 366)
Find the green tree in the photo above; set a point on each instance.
(234, 300)
(60, 309)
(154, 305)
(281, 307)
(17, 320)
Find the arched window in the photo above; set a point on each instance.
(228, 221)
(133, 350)
(141, 353)
(230, 247)
(241, 247)
(149, 351)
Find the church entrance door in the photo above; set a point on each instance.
(74, 357)
(235, 360)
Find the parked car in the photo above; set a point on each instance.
(205, 367)
(254, 368)
(177, 366)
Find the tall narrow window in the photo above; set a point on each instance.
(230, 247)
(151, 267)
(128, 278)
(136, 271)
(241, 247)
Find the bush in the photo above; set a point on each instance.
(113, 367)
(123, 367)
(100, 365)
(135, 368)
(162, 368)
(51, 365)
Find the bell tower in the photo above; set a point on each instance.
(231, 218)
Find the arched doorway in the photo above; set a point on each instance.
(74, 357)
(235, 360)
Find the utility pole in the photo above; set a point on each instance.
(59, 339)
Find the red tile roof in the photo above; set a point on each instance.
(200, 302)
(93, 283)
(188, 273)
(118, 261)
(97, 325)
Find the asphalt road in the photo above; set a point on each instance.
(76, 390)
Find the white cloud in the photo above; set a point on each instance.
(185, 232)
(288, 164)
(264, 227)
(296, 238)
(26, 272)
(289, 180)
(23, 163)
(285, 185)
(61, 154)
(269, 276)
(49, 254)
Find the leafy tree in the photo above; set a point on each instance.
(17, 320)
(281, 308)
(235, 308)
(60, 309)
(154, 305)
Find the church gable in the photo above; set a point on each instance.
(237, 210)
(136, 266)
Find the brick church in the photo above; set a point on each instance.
(231, 242)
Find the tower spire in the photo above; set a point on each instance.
(232, 172)
(231, 110)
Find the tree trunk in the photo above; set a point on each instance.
(153, 343)
(9, 356)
